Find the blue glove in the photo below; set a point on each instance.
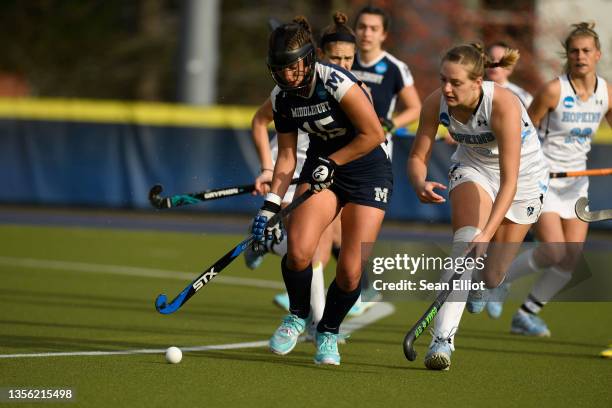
(323, 175)
(270, 208)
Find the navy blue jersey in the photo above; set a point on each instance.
(386, 77)
(320, 115)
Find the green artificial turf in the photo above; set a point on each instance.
(56, 310)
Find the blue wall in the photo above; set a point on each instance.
(114, 165)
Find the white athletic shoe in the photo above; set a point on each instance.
(438, 356)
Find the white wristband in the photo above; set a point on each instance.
(273, 198)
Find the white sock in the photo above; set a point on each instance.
(317, 293)
(447, 319)
(550, 283)
(523, 265)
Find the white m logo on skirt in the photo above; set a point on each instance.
(380, 194)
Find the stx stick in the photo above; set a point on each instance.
(591, 216)
(166, 308)
(179, 200)
(580, 173)
(425, 320)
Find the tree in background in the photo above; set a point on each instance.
(91, 49)
(127, 50)
(422, 30)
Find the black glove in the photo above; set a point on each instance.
(387, 124)
(270, 208)
(323, 175)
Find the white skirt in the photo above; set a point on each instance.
(562, 195)
(524, 211)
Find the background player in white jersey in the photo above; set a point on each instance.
(497, 178)
(345, 167)
(388, 79)
(568, 111)
(336, 46)
(500, 75)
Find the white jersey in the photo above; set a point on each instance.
(568, 130)
(302, 146)
(525, 97)
(477, 145)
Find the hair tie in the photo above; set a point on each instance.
(338, 36)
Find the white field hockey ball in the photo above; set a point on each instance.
(174, 355)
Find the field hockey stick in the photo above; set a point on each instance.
(580, 173)
(166, 308)
(425, 320)
(179, 200)
(590, 216)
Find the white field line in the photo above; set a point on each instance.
(377, 312)
(132, 271)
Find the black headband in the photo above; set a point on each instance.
(333, 37)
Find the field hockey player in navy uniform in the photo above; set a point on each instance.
(345, 168)
(336, 46)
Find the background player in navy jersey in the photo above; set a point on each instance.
(345, 166)
(388, 80)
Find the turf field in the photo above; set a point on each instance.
(76, 290)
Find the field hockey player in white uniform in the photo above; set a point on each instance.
(568, 111)
(496, 182)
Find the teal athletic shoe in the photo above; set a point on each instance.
(327, 348)
(358, 308)
(285, 337)
(361, 306)
(282, 300)
(528, 324)
(497, 296)
(476, 301)
(438, 356)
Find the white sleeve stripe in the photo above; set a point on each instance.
(335, 81)
(273, 96)
(405, 73)
(407, 77)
